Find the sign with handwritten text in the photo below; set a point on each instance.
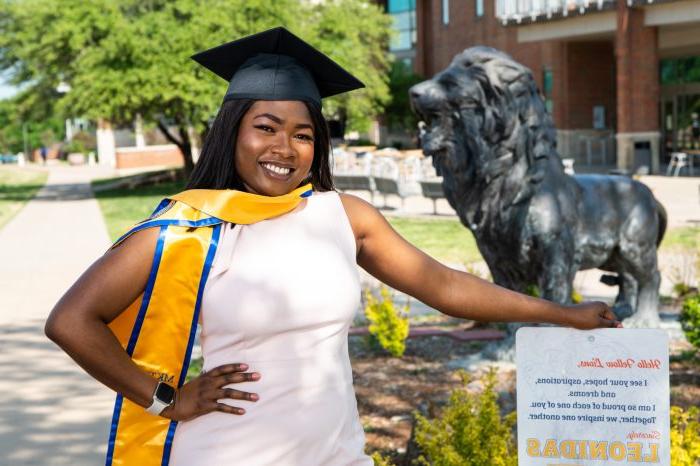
(598, 397)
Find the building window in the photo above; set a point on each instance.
(547, 85)
(479, 8)
(680, 70)
(403, 13)
(445, 11)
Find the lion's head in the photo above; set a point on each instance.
(484, 120)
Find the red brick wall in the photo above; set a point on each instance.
(591, 80)
(439, 43)
(637, 72)
(583, 72)
(168, 155)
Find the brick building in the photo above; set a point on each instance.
(620, 77)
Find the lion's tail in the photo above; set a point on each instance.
(663, 221)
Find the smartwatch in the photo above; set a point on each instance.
(163, 397)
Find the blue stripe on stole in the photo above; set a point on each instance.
(164, 203)
(180, 223)
(193, 330)
(134, 336)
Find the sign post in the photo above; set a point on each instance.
(598, 397)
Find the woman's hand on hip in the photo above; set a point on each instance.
(201, 395)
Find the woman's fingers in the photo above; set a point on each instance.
(228, 369)
(609, 318)
(224, 408)
(236, 377)
(234, 394)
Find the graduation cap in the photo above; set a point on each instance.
(276, 65)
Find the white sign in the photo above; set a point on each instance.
(598, 397)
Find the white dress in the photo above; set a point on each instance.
(280, 297)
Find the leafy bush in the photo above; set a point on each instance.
(379, 460)
(685, 436)
(690, 319)
(82, 143)
(471, 431)
(388, 325)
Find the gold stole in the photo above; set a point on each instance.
(157, 330)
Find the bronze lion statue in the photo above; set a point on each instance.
(491, 139)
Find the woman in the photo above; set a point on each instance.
(269, 270)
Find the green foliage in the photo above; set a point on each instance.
(681, 289)
(533, 290)
(195, 369)
(399, 115)
(388, 324)
(685, 436)
(82, 142)
(576, 297)
(379, 460)
(690, 319)
(356, 34)
(470, 432)
(127, 57)
(14, 122)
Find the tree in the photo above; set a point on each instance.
(356, 34)
(124, 58)
(398, 114)
(16, 129)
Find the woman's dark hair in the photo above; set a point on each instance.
(216, 169)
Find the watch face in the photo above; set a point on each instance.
(165, 393)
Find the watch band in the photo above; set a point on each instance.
(158, 405)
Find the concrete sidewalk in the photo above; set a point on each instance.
(51, 412)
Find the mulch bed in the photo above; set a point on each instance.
(389, 390)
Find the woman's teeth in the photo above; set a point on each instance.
(276, 169)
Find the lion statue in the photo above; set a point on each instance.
(491, 139)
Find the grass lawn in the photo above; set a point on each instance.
(17, 186)
(444, 239)
(122, 207)
(682, 238)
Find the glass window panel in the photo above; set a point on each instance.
(547, 82)
(396, 6)
(479, 7)
(402, 20)
(445, 11)
(680, 70)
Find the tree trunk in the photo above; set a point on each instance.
(182, 141)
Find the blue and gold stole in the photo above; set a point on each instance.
(157, 330)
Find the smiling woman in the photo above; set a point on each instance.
(263, 253)
(274, 145)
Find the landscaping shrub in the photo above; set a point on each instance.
(690, 319)
(470, 431)
(379, 460)
(685, 436)
(388, 325)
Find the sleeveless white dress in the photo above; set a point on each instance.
(280, 297)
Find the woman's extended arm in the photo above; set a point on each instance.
(78, 324)
(386, 255)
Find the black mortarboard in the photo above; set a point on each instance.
(276, 65)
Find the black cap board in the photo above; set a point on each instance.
(276, 65)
